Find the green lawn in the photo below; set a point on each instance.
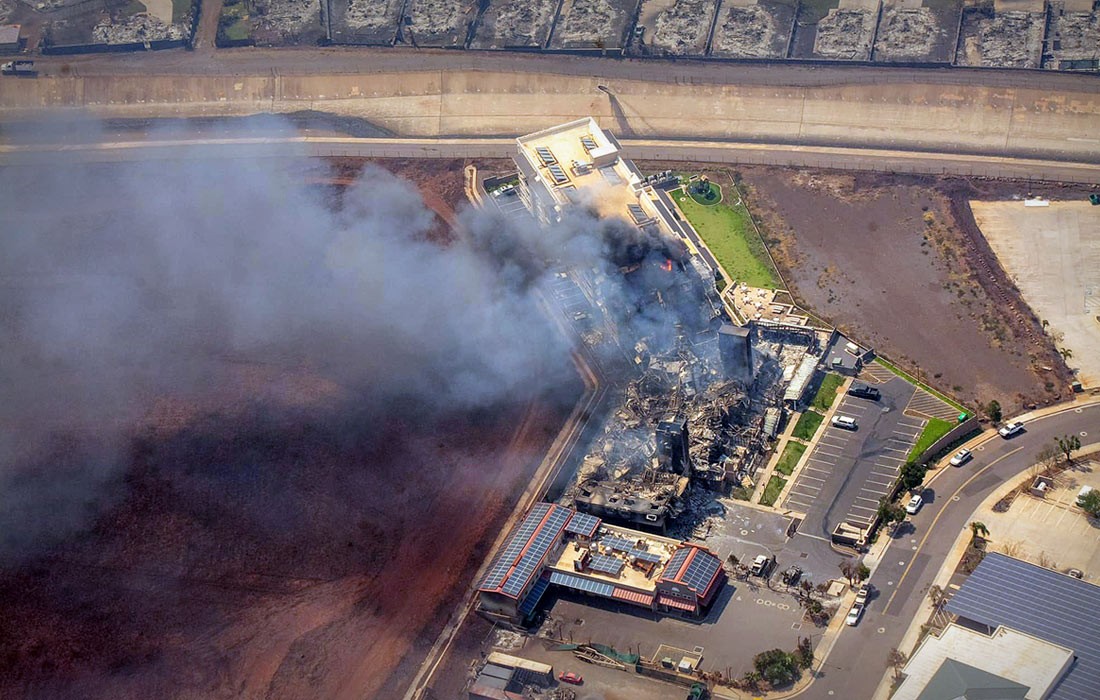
(727, 230)
(772, 490)
(791, 454)
(934, 430)
(826, 393)
(913, 380)
(807, 425)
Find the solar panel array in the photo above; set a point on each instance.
(700, 571)
(677, 561)
(501, 574)
(558, 174)
(645, 556)
(545, 155)
(604, 564)
(582, 524)
(589, 143)
(1044, 604)
(637, 212)
(618, 544)
(532, 600)
(582, 584)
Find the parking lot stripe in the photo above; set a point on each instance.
(808, 468)
(864, 498)
(808, 476)
(855, 507)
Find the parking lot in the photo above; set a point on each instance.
(849, 471)
(722, 638)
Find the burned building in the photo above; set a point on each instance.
(672, 446)
(735, 349)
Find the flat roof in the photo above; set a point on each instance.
(624, 546)
(1008, 654)
(1007, 592)
(9, 33)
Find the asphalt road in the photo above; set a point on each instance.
(857, 661)
(268, 145)
(330, 60)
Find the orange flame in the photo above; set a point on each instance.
(667, 266)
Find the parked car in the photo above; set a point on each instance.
(570, 677)
(762, 565)
(1085, 490)
(792, 575)
(1076, 573)
(862, 391)
(1010, 429)
(863, 594)
(853, 615)
(914, 504)
(846, 422)
(961, 457)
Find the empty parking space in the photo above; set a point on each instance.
(928, 405)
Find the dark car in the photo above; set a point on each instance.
(792, 575)
(862, 391)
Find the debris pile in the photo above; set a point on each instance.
(588, 23)
(276, 21)
(372, 14)
(509, 23)
(682, 29)
(137, 29)
(1074, 36)
(1002, 39)
(755, 31)
(845, 34)
(440, 22)
(908, 34)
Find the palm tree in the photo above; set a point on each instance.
(977, 529)
(1066, 353)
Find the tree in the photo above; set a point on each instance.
(1066, 353)
(1048, 457)
(849, 568)
(863, 572)
(776, 666)
(912, 475)
(1068, 444)
(751, 681)
(897, 661)
(993, 409)
(805, 653)
(890, 513)
(935, 594)
(977, 529)
(1090, 503)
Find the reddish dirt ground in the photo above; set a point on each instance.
(895, 263)
(322, 564)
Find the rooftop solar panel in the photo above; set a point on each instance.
(637, 212)
(583, 524)
(536, 551)
(607, 565)
(646, 556)
(558, 174)
(1042, 603)
(676, 562)
(532, 600)
(545, 155)
(617, 544)
(582, 584)
(589, 143)
(700, 571)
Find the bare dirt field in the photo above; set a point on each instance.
(274, 540)
(899, 263)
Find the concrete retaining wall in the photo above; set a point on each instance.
(923, 117)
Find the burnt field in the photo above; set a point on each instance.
(285, 514)
(899, 263)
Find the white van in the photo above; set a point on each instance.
(846, 422)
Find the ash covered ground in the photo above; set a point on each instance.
(260, 428)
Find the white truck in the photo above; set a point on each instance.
(18, 68)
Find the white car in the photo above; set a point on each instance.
(961, 457)
(846, 422)
(1010, 429)
(914, 505)
(853, 615)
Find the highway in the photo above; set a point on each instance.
(857, 661)
(276, 143)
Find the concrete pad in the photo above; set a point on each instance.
(1053, 255)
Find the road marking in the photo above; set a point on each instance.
(936, 519)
